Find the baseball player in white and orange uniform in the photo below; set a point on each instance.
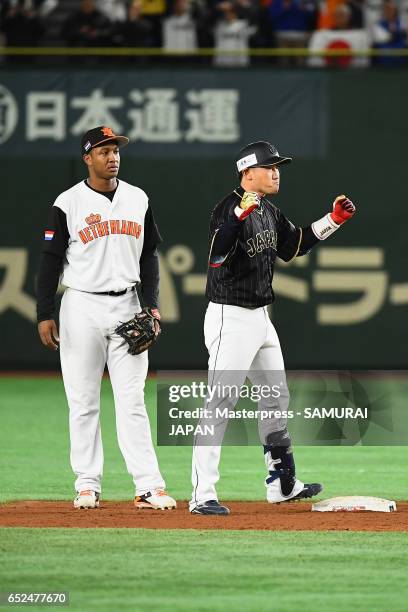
(101, 241)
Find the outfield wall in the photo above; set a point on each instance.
(344, 305)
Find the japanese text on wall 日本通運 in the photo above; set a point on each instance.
(152, 115)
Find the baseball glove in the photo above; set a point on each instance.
(141, 331)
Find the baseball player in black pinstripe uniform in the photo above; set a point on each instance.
(247, 233)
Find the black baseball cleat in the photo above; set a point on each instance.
(210, 507)
(309, 490)
(275, 495)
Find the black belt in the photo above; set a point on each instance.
(114, 293)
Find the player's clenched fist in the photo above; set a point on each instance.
(250, 201)
(343, 209)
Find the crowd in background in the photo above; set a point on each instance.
(226, 25)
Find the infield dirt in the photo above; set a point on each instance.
(244, 515)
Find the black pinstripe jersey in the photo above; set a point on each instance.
(245, 276)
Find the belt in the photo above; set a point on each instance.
(114, 293)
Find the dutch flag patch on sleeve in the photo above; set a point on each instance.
(48, 235)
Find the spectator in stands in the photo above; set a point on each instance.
(292, 22)
(388, 33)
(326, 14)
(114, 10)
(21, 23)
(180, 28)
(40, 7)
(342, 17)
(231, 33)
(325, 19)
(87, 27)
(154, 11)
(342, 35)
(135, 31)
(357, 13)
(246, 9)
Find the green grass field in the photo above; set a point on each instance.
(191, 570)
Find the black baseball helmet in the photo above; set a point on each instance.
(259, 154)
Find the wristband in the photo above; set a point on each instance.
(238, 212)
(243, 213)
(324, 227)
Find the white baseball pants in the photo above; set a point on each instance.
(243, 341)
(87, 343)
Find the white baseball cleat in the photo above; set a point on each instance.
(300, 490)
(155, 500)
(86, 499)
